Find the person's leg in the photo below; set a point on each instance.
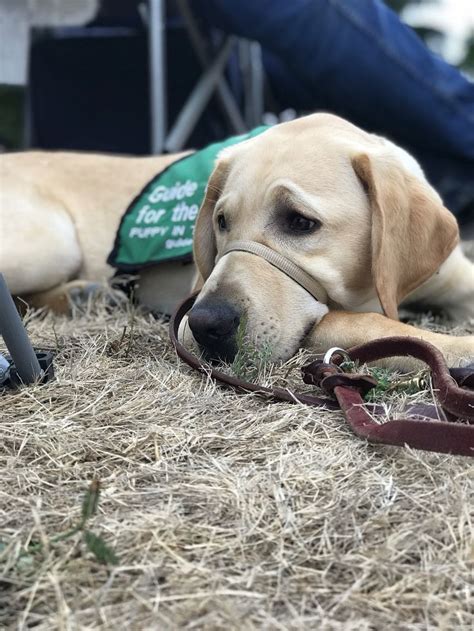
(358, 60)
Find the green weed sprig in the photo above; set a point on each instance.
(387, 381)
(249, 360)
(102, 552)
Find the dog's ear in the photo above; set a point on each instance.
(412, 232)
(204, 242)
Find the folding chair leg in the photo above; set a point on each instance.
(250, 55)
(198, 99)
(224, 94)
(157, 61)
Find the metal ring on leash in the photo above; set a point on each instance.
(335, 350)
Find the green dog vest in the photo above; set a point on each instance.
(159, 223)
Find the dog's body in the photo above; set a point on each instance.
(351, 209)
(59, 213)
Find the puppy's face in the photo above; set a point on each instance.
(303, 189)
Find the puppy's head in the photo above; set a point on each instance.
(350, 208)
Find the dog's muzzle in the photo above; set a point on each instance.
(214, 321)
(285, 265)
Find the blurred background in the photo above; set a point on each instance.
(134, 76)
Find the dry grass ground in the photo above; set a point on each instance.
(224, 511)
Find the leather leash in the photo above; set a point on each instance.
(454, 389)
(275, 394)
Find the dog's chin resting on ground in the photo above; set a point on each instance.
(351, 209)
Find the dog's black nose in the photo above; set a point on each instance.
(214, 324)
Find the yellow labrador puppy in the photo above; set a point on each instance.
(350, 209)
(353, 211)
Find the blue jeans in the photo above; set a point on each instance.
(356, 59)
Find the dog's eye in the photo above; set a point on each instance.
(221, 222)
(300, 224)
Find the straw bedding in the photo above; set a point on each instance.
(224, 511)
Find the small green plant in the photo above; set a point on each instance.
(387, 381)
(384, 380)
(102, 552)
(250, 360)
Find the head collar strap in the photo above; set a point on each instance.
(282, 263)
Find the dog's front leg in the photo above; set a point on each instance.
(343, 329)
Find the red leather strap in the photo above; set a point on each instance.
(277, 394)
(453, 398)
(440, 436)
(455, 436)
